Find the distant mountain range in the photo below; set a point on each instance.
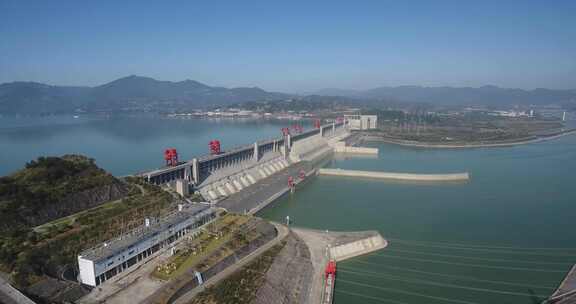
(132, 93)
(486, 95)
(136, 93)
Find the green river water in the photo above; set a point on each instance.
(507, 236)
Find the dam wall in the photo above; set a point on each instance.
(218, 176)
(359, 247)
(397, 176)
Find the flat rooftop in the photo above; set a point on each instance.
(117, 245)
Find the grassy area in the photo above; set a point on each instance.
(68, 221)
(193, 252)
(241, 286)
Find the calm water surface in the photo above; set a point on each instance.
(122, 145)
(478, 242)
(507, 236)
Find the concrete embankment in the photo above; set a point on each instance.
(359, 247)
(11, 295)
(355, 150)
(566, 292)
(344, 245)
(397, 176)
(341, 147)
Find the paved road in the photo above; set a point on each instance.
(566, 292)
(282, 233)
(11, 295)
(258, 193)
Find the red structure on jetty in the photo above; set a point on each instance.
(329, 279)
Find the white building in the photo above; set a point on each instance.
(362, 122)
(101, 263)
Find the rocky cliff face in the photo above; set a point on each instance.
(52, 187)
(77, 202)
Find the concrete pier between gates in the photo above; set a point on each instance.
(397, 176)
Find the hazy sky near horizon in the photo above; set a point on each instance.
(292, 46)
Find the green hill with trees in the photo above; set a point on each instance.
(58, 206)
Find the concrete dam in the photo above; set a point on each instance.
(218, 176)
(246, 179)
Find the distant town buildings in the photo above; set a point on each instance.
(512, 113)
(362, 122)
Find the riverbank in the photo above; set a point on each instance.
(521, 141)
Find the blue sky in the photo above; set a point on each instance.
(292, 46)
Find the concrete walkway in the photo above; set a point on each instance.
(566, 292)
(132, 287)
(282, 233)
(258, 195)
(319, 242)
(11, 295)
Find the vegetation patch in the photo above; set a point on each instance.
(241, 286)
(29, 253)
(196, 249)
(466, 128)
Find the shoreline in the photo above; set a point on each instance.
(416, 144)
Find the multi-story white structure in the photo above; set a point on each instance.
(101, 263)
(362, 122)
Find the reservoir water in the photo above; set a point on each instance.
(122, 145)
(506, 236)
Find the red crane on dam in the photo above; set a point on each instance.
(214, 146)
(302, 174)
(285, 131)
(317, 124)
(171, 157)
(290, 182)
(297, 128)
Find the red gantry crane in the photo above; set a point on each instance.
(214, 146)
(317, 123)
(171, 157)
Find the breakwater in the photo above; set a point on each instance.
(397, 176)
(360, 247)
(341, 147)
